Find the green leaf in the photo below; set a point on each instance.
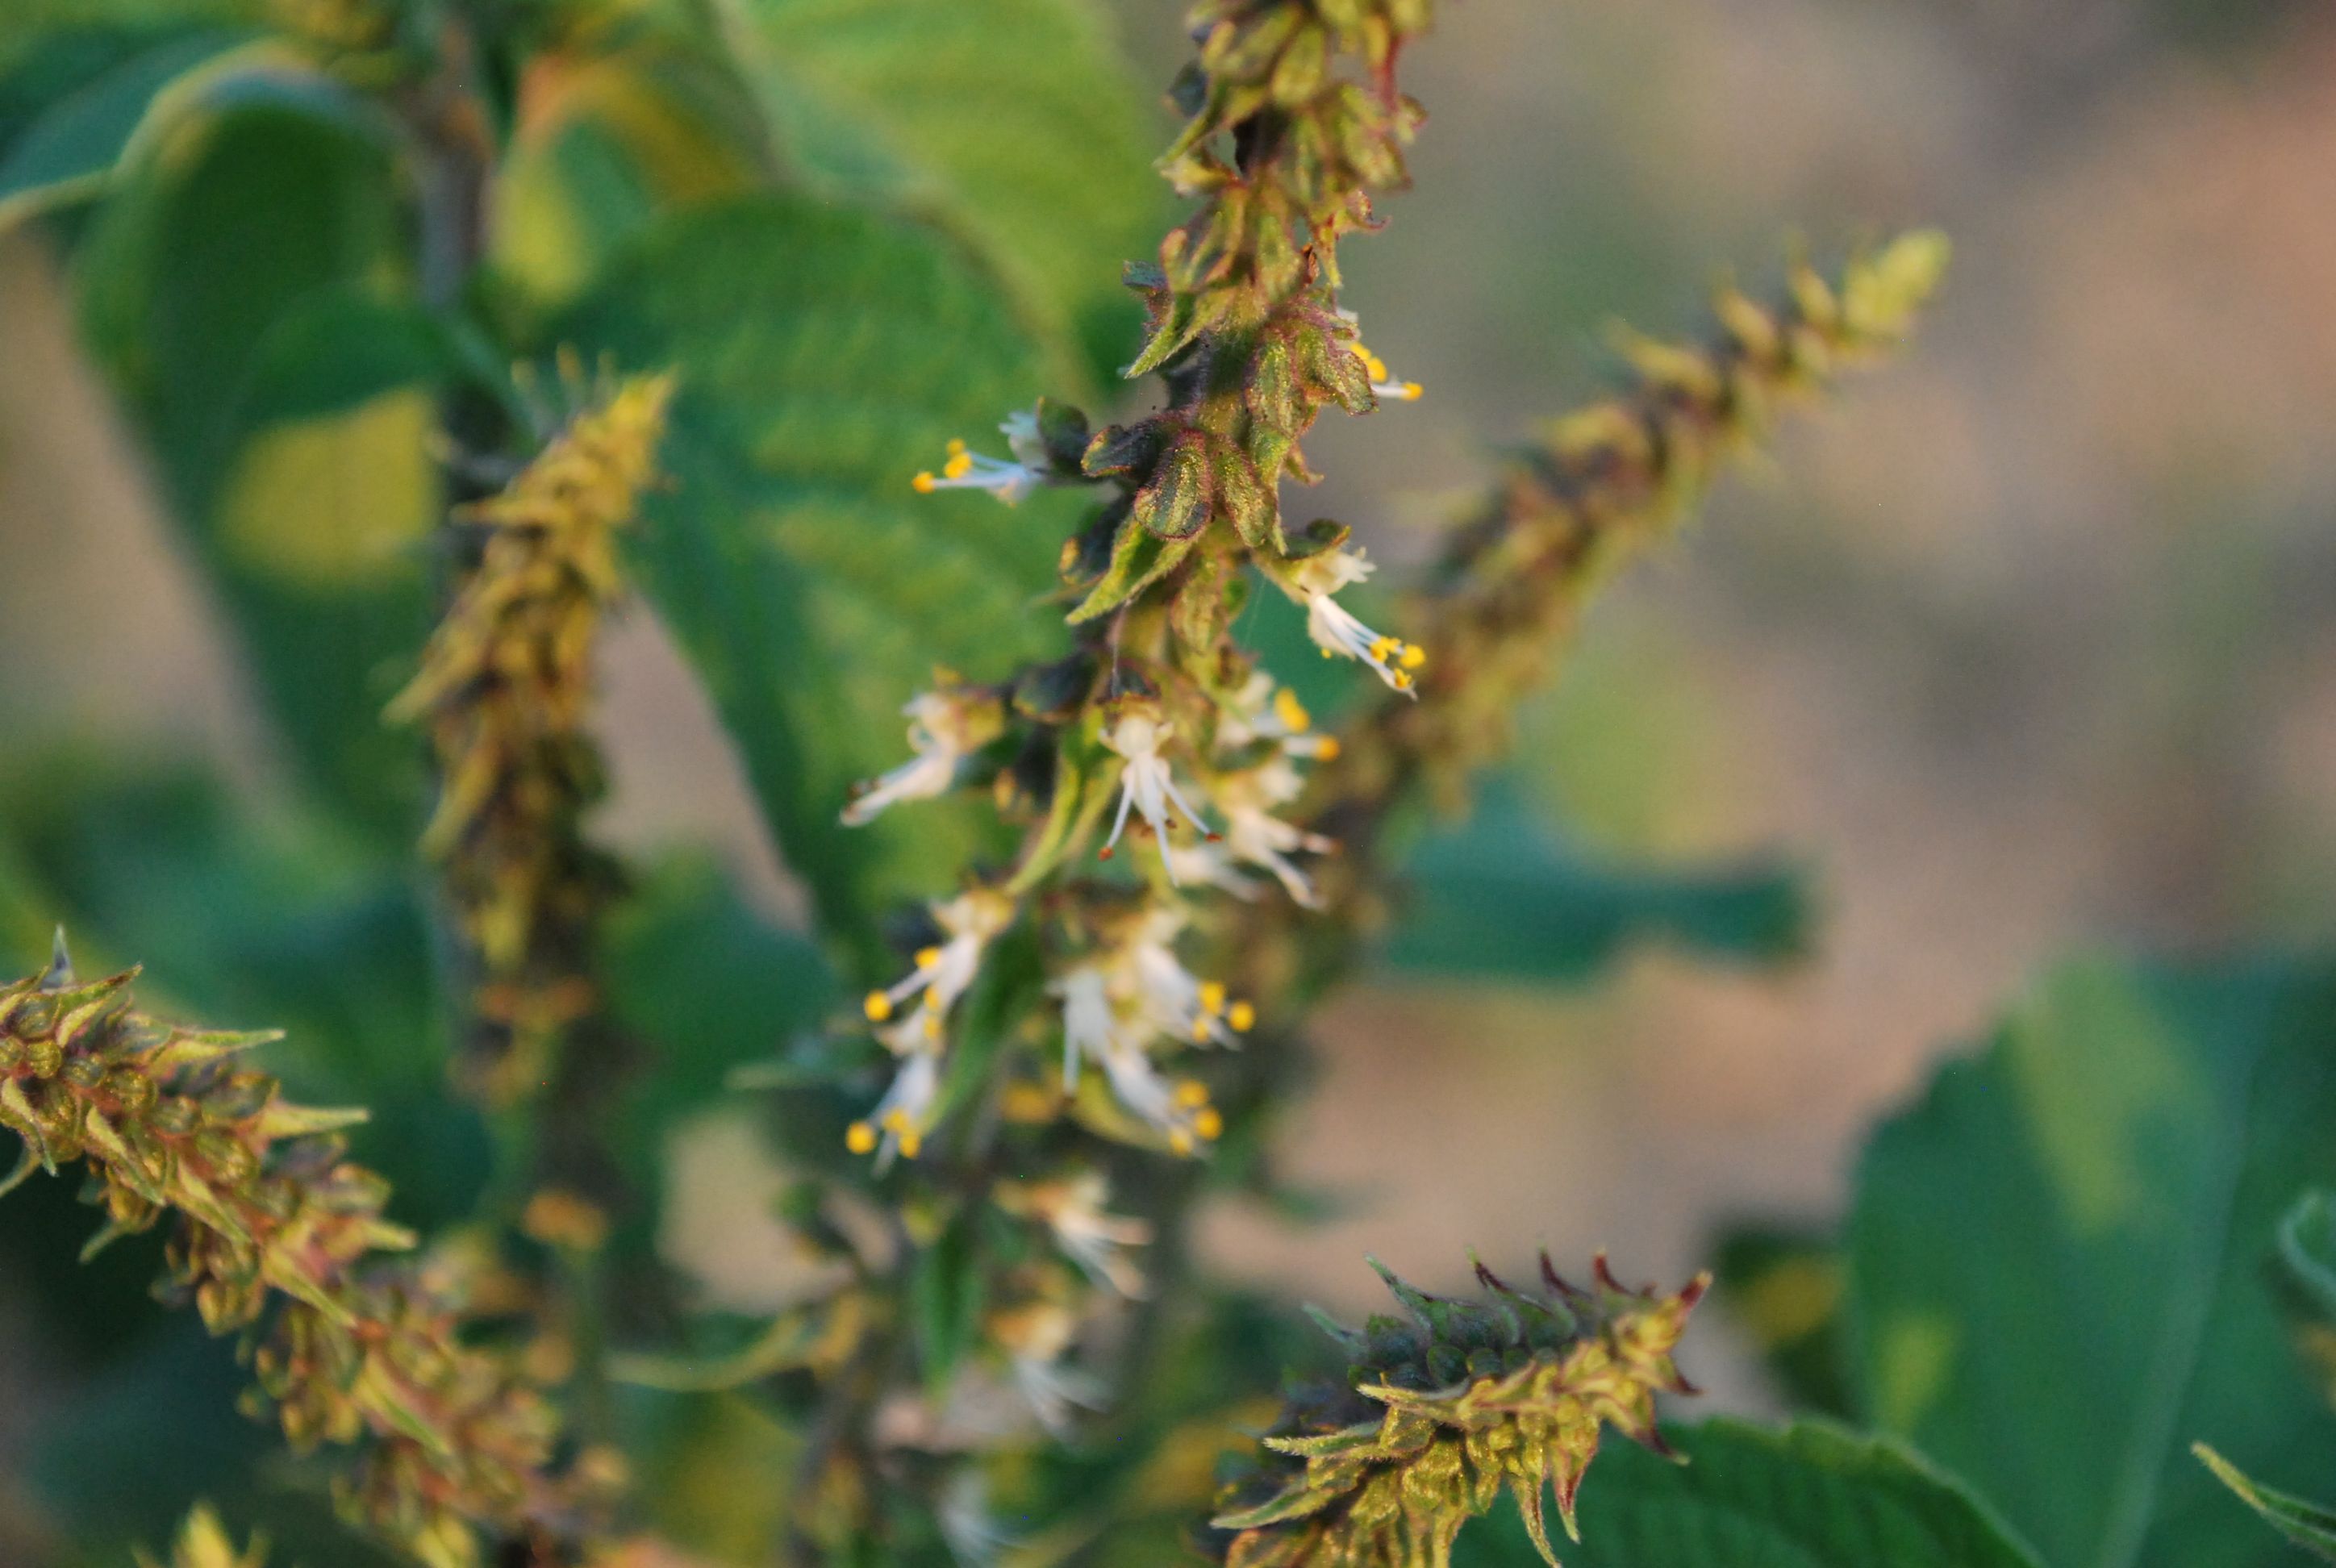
(104, 84)
(2307, 1525)
(246, 922)
(609, 143)
(1809, 1495)
(1782, 1288)
(708, 984)
(825, 356)
(1501, 897)
(1016, 124)
(2056, 1257)
(945, 1286)
(245, 290)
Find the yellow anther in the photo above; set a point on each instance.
(1242, 1016)
(1290, 711)
(859, 1138)
(1213, 995)
(960, 464)
(957, 446)
(1024, 1101)
(896, 1121)
(1327, 749)
(877, 1007)
(1326, 653)
(911, 1141)
(1384, 649)
(932, 1024)
(1210, 1123)
(1192, 1092)
(923, 483)
(1410, 392)
(1413, 656)
(928, 956)
(559, 1218)
(1402, 681)
(1181, 1141)
(1201, 1031)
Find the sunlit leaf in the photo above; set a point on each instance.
(1016, 123)
(824, 358)
(2056, 1257)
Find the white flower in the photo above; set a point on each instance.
(1008, 480)
(1384, 384)
(943, 974)
(1172, 1000)
(1036, 1338)
(901, 1118)
(1114, 1006)
(1262, 710)
(1180, 1112)
(1088, 1234)
(1145, 783)
(974, 1537)
(1210, 865)
(1255, 836)
(944, 726)
(1090, 1021)
(1315, 583)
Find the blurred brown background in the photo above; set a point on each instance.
(2026, 644)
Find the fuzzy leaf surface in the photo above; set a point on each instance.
(2057, 1258)
(825, 355)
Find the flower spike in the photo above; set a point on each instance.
(1444, 1407)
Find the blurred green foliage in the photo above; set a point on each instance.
(860, 228)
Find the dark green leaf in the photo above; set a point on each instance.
(1806, 1497)
(1782, 1288)
(1502, 896)
(68, 147)
(251, 923)
(243, 290)
(945, 1297)
(706, 985)
(2057, 1258)
(825, 356)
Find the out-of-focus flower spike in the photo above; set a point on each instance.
(1444, 1409)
